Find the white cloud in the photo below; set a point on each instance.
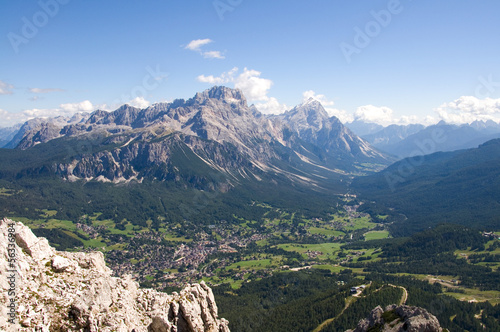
(321, 98)
(429, 120)
(271, 106)
(8, 119)
(384, 116)
(225, 77)
(213, 55)
(249, 82)
(342, 115)
(139, 102)
(254, 88)
(84, 106)
(375, 114)
(196, 44)
(467, 109)
(47, 90)
(5, 88)
(409, 119)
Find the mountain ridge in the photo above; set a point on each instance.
(458, 187)
(403, 141)
(217, 119)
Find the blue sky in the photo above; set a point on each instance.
(383, 61)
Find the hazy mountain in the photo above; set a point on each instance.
(487, 127)
(8, 133)
(391, 135)
(41, 130)
(215, 132)
(362, 128)
(443, 137)
(415, 139)
(459, 187)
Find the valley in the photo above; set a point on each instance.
(232, 252)
(242, 251)
(271, 211)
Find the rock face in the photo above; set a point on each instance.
(215, 130)
(62, 291)
(399, 319)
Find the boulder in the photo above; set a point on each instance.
(65, 291)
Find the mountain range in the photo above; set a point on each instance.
(215, 130)
(215, 153)
(403, 141)
(460, 187)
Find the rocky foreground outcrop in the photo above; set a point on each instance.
(399, 319)
(48, 290)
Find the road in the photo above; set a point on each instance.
(404, 298)
(353, 298)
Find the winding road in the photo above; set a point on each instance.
(353, 298)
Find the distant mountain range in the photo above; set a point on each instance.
(461, 187)
(215, 132)
(7, 134)
(409, 140)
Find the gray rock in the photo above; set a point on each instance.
(64, 291)
(399, 319)
(220, 129)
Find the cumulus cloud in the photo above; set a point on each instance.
(376, 114)
(249, 82)
(197, 44)
(84, 106)
(139, 102)
(46, 90)
(223, 78)
(271, 106)
(254, 87)
(384, 116)
(8, 119)
(342, 115)
(467, 109)
(5, 88)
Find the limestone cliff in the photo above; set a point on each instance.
(63, 291)
(399, 319)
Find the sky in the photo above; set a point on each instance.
(392, 61)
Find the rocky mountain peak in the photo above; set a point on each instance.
(63, 291)
(221, 118)
(308, 114)
(399, 319)
(311, 101)
(222, 93)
